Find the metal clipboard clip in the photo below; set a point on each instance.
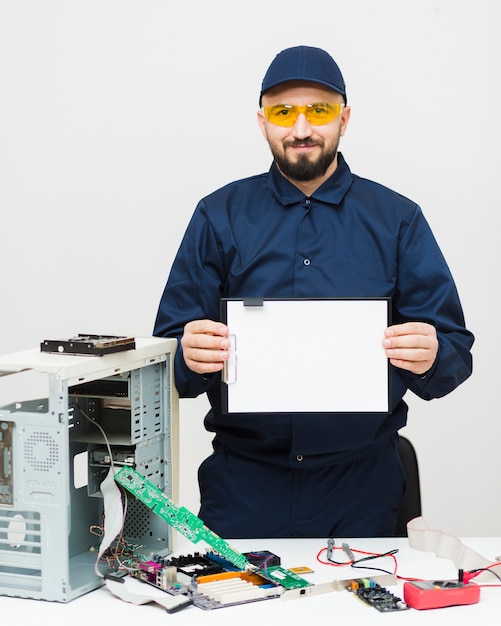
(230, 366)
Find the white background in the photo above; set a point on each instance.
(116, 116)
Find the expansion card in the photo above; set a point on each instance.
(193, 528)
(180, 518)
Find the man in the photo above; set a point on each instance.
(309, 228)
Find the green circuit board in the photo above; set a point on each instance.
(193, 528)
(180, 518)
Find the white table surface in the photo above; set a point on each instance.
(336, 607)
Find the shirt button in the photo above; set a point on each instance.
(299, 457)
(306, 262)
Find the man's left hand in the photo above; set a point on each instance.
(412, 346)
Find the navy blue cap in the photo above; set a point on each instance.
(304, 63)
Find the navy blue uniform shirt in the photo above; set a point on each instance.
(261, 237)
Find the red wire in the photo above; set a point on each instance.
(383, 554)
(351, 561)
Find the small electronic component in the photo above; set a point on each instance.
(301, 569)
(376, 596)
(263, 558)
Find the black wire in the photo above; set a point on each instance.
(339, 562)
(377, 556)
(485, 569)
(356, 565)
(377, 569)
(371, 557)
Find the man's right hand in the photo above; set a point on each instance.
(205, 346)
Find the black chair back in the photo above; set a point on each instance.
(411, 505)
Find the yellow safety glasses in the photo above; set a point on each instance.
(317, 113)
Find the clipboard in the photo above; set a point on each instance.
(321, 355)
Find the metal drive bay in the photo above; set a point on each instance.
(295, 356)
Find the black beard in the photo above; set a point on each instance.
(304, 169)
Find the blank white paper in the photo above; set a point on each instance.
(296, 356)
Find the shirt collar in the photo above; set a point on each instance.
(332, 191)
